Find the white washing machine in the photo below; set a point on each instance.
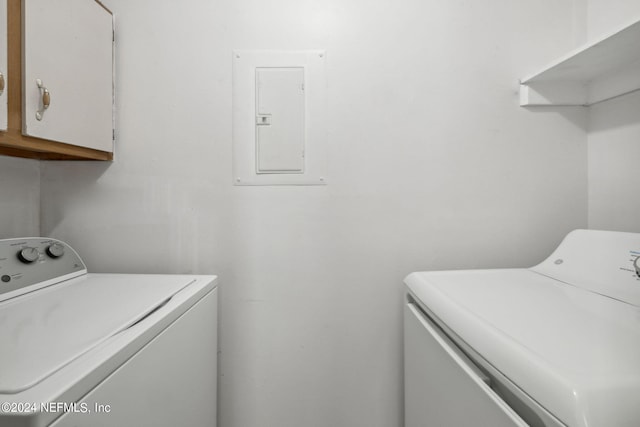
(102, 350)
(553, 345)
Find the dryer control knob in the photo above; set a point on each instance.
(28, 255)
(55, 250)
(636, 264)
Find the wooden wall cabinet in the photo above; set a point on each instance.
(3, 65)
(59, 88)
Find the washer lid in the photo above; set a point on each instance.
(47, 329)
(574, 351)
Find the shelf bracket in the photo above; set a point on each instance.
(553, 93)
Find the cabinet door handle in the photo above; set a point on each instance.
(2, 83)
(45, 97)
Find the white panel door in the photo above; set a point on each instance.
(279, 117)
(3, 64)
(68, 46)
(280, 120)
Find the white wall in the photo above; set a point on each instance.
(19, 197)
(605, 16)
(432, 166)
(614, 135)
(614, 170)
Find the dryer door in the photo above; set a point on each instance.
(442, 386)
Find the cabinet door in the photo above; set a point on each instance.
(3, 64)
(68, 47)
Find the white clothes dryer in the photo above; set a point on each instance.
(557, 344)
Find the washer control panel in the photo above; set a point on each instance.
(27, 262)
(604, 262)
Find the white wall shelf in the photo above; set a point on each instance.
(599, 71)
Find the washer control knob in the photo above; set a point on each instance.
(55, 250)
(28, 255)
(636, 264)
